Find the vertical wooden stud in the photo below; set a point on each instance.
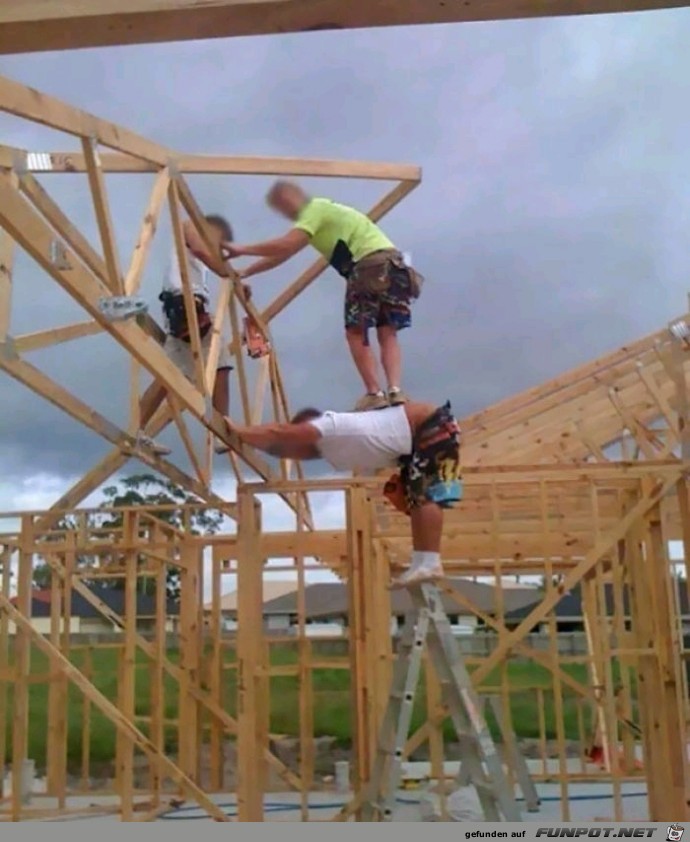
(249, 653)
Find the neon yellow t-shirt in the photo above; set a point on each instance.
(326, 222)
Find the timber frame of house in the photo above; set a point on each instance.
(582, 480)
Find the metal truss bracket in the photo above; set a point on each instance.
(20, 163)
(208, 408)
(680, 330)
(8, 351)
(94, 146)
(58, 255)
(173, 167)
(117, 308)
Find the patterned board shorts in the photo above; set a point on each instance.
(366, 310)
(431, 473)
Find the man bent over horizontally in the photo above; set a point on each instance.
(420, 440)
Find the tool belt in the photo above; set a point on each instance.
(376, 273)
(176, 315)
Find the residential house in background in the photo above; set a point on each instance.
(326, 607)
(273, 589)
(85, 618)
(569, 613)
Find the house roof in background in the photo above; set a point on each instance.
(569, 607)
(273, 589)
(114, 598)
(325, 599)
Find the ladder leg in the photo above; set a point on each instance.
(481, 766)
(481, 759)
(382, 789)
(517, 760)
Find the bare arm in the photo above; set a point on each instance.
(288, 441)
(262, 265)
(199, 249)
(281, 248)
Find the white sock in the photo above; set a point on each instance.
(423, 560)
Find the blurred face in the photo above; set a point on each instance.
(288, 202)
(219, 233)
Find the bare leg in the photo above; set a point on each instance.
(152, 398)
(427, 527)
(364, 359)
(221, 392)
(390, 354)
(150, 401)
(221, 401)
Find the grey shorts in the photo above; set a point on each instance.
(180, 353)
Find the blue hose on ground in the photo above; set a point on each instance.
(179, 813)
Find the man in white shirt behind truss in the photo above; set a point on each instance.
(177, 340)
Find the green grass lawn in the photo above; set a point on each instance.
(331, 695)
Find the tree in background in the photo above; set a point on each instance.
(144, 490)
(149, 490)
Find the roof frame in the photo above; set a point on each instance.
(30, 218)
(33, 25)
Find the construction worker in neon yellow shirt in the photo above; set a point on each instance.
(380, 286)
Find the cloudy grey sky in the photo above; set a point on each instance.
(551, 220)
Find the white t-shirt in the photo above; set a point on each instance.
(364, 441)
(172, 282)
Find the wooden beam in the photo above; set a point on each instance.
(187, 291)
(51, 391)
(637, 430)
(113, 162)
(554, 392)
(109, 710)
(55, 336)
(6, 263)
(36, 238)
(34, 25)
(187, 440)
(602, 546)
(103, 217)
(147, 231)
(26, 102)
(250, 794)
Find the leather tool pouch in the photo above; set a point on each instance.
(377, 273)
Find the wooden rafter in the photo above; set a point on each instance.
(121, 722)
(147, 232)
(579, 520)
(31, 25)
(90, 277)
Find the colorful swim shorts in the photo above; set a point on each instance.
(431, 473)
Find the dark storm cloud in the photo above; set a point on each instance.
(550, 222)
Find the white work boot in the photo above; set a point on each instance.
(417, 573)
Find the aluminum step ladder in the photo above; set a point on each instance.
(515, 758)
(480, 766)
